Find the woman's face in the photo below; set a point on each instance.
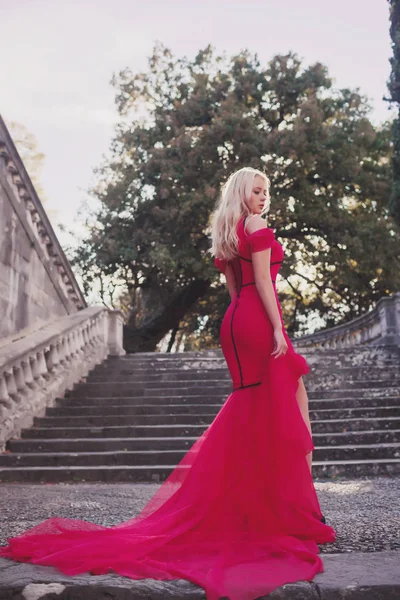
(259, 195)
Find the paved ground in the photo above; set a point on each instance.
(362, 565)
(365, 513)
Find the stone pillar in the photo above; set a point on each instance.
(389, 316)
(115, 333)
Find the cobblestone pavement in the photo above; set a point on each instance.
(365, 512)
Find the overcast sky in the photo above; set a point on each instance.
(57, 58)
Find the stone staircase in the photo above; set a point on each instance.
(136, 416)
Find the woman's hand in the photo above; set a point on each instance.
(280, 344)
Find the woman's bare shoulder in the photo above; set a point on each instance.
(255, 223)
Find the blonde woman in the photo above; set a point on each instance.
(249, 255)
(239, 514)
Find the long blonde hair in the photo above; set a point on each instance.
(231, 205)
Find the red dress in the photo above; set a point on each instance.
(239, 515)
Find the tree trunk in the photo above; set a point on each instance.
(172, 338)
(146, 338)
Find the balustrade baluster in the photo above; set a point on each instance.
(42, 364)
(81, 342)
(35, 367)
(62, 352)
(52, 359)
(5, 399)
(92, 334)
(19, 379)
(85, 337)
(28, 376)
(11, 385)
(68, 350)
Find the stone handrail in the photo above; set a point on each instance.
(380, 326)
(38, 368)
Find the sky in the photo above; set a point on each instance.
(57, 58)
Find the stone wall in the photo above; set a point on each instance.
(36, 281)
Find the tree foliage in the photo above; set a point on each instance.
(185, 126)
(394, 89)
(32, 158)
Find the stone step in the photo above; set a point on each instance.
(159, 365)
(216, 399)
(184, 403)
(125, 417)
(364, 373)
(393, 382)
(221, 390)
(321, 426)
(371, 391)
(103, 444)
(353, 354)
(336, 360)
(348, 358)
(356, 468)
(217, 396)
(95, 407)
(333, 376)
(158, 473)
(174, 456)
(144, 376)
(123, 388)
(135, 417)
(209, 364)
(127, 408)
(360, 371)
(350, 571)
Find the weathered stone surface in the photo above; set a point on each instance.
(357, 576)
(36, 280)
(360, 576)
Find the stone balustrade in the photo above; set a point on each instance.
(380, 326)
(41, 366)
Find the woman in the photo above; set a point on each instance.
(239, 514)
(259, 317)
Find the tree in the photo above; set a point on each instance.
(185, 126)
(394, 89)
(32, 158)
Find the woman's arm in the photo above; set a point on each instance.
(262, 277)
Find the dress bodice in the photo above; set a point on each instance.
(249, 243)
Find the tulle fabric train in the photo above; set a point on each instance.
(239, 515)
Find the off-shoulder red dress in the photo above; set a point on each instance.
(239, 515)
